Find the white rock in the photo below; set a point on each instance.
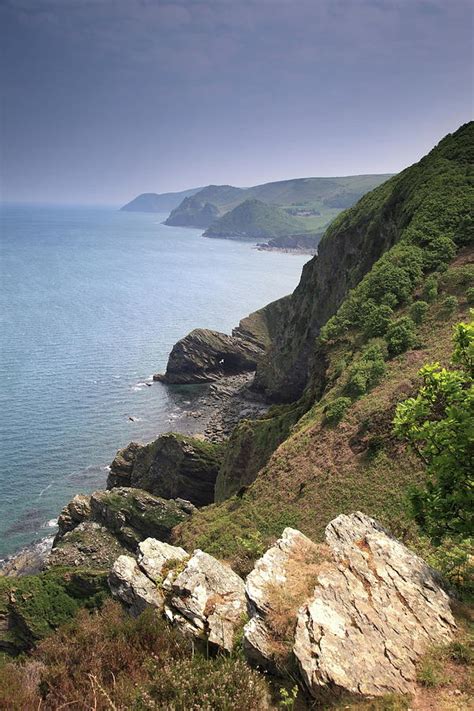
(132, 587)
(153, 554)
(208, 600)
(372, 614)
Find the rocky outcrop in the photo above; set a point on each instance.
(279, 583)
(203, 356)
(207, 600)
(357, 612)
(132, 587)
(304, 243)
(201, 596)
(113, 522)
(373, 613)
(172, 466)
(154, 555)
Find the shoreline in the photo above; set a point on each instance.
(211, 416)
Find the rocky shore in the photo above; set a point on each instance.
(211, 416)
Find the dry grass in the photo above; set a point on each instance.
(284, 601)
(108, 661)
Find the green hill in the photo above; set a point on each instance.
(316, 201)
(253, 220)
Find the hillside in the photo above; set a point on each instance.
(158, 202)
(315, 201)
(253, 220)
(331, 449)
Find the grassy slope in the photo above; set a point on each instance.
(254, 219)
(321, 471)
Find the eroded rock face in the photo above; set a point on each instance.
(287, 571)
(76, 511)
(372, 614)
(207, 600)
(132, 587)
(94, 530)
(172, 466)
(153, 555)
(204, 355)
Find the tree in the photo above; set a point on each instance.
(439, 426)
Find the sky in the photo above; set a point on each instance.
(104, 99)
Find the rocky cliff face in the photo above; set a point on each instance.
(172, 466)
(203, 356)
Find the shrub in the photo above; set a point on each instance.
(449, 305)
(430, 289)
(437, 423)
(335, 410)
(470, 295)
(366, 372)
(375, 319)
(400, 335)
(418, 311)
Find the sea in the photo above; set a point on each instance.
(92, 299)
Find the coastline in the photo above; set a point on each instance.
(211, 416)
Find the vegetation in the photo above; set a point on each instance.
(438, 424)
(254, 219)
(108, 660)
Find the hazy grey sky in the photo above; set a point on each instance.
(104, 99)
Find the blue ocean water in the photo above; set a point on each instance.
(92, 300)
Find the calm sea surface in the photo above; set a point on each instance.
(92, 301)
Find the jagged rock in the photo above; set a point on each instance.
(288, 569)
(173, 466)
(132, 587)
(115, 521)
(121, 468)
(204, 355)
(76, 511)
(153, 555)
(374, 611)
(207, 600)
(88, 545)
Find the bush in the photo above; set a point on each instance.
(418, 311)
(449, 305)
(470, 295)
(430, 289)
(335, 410)
(437, 423)
(400, 335)
(375, 318)
(366, 372)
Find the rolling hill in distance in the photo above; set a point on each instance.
(298, 206)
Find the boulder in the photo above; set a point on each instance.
(204, 355)
(207, 600)
(279, 583)
(172, 466)
(132, 587)
(372, 614)
(154, 555)
(88, 545)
